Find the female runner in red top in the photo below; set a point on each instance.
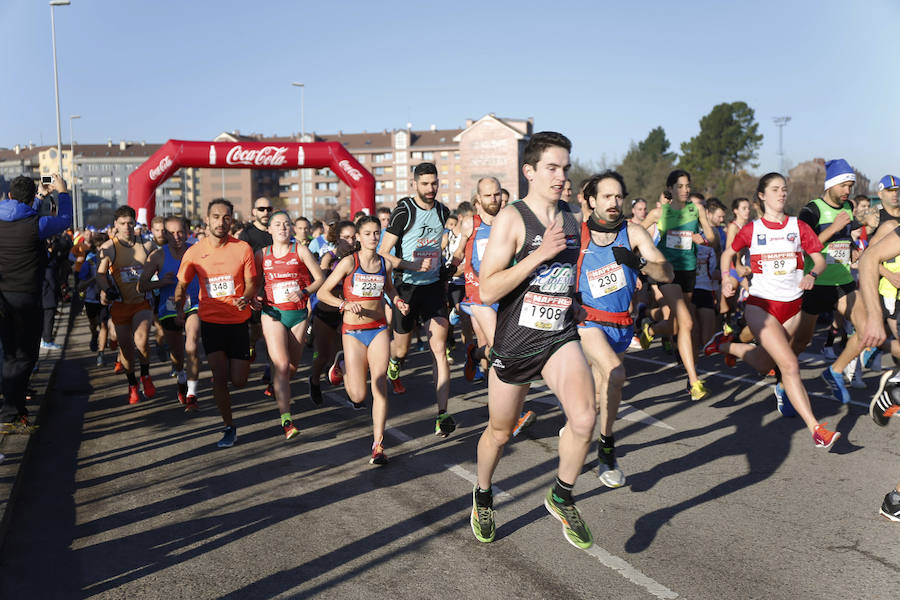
(366, 279)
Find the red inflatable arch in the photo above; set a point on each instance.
(175, 154)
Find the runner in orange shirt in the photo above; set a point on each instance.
(228, 280)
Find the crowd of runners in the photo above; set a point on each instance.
(556, 286)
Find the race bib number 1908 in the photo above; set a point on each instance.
(546, 313)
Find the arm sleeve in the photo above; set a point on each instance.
(54, 225)
(399, 220)
(808, 239)
(743, 238)
(809, 214)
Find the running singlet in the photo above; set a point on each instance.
(126, 270)
(167, 306)
(221, 272)
(776, 256)
(676, 230)
(707, 263)
(362, 286)
(837, 250)
(538, 314)
(285, 276)
(885, 288)
(606, 286)
(419, 239)
(475, 247)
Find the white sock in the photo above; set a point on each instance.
(192, 387)
(182, 376)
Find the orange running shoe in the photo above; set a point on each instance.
(148, 387)
(134, 396)
(118, 368)
(823, 438)
(397, 386)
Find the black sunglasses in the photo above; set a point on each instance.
(265, 208)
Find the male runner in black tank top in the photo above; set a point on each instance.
(529, 266)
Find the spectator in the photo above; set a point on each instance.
(23, 260)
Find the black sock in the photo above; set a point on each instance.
(479, 353)
(440, 412)
(484, 497)
(829, 340)
(777, 374)
(145, 369)
(132, 380)
(562, 492)
(606, 441)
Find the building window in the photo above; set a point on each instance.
(400, 140)
(417, 156)
(307, 187)
(379, 198)
(401, 185)
(378, 171)
(295, 187)
(444, 154)
(428, 155)
(383, 157)
(458, 184)
(456, 155)
(444, 169)
(444, 185)
(402, 171)
(401, 158)
(389, 185)
(458, 196)
(445, 197)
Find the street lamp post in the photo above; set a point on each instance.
(780, 122)
(53, 4)
(79, 217)
(303, 175)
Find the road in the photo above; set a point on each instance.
(724, 498)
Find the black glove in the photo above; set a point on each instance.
(627, 257)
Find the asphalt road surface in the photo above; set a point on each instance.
(724, 498)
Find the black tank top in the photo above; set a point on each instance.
(884, 216)
(539, 313)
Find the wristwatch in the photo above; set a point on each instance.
(643, 262)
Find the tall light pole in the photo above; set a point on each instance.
(780, 122)
(305, 204)
(302, 124)
(79, 218)
(53, 4)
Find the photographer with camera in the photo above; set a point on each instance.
(23, 259)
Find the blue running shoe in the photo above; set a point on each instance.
(836, 382)
(454, 317)
(782, 403)
(479, 375)
(228, 437)
(871, 358)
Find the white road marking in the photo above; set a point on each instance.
(619, 565)
(627, 412)
(756, 382)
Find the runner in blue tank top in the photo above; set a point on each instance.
(614, 252)
(182, 336)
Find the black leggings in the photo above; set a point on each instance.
(20, 334)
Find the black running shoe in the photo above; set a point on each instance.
(482, 520)
(890, 508)
(315, 393)
(886, 401)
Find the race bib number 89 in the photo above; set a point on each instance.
(546, 313)
(778, 264)
(220, 286)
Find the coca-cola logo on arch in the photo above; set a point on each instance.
(350, 170)
(273, 156)
(161, 168)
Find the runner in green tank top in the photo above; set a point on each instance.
(831, 218)
(679, 222)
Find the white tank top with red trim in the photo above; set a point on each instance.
(776, 259)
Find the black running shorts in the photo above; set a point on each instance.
(231, 338)
(425, 302)
(527, 369)
(824, 298)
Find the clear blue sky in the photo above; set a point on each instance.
(604, 73)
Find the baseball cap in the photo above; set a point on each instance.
(889, 182)
(332, 216)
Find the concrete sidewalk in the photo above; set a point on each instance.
(16, 448)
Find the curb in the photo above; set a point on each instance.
(18, 448)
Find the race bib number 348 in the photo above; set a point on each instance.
(546, 313)
(220, 286)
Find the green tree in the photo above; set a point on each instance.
(728, 141)
(646, 166)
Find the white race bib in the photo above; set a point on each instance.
(546, 313)
(220, 286)
(282, 290)
(779, 264)
(434, 255)
(131, 274)
(480, 245)
(606, 280)
(838, 252)
(676, 239)
(367, 285)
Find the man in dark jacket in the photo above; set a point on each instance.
(23, 256)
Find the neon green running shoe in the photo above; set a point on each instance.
(482, 521)
(444, 425)
(574, 528)
(393, 370)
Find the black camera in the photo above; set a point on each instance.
(46, 179)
